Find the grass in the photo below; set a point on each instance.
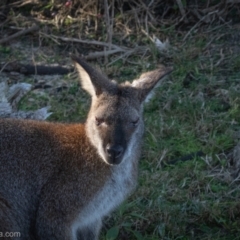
(196, 109)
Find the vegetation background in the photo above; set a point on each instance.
(189, 170)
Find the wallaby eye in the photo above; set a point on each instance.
(99, 121)
(135, 122)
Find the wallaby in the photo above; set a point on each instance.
(57, 181)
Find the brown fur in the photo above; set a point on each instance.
(68, 149)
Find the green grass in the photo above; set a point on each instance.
(198, 198)
(196, 109)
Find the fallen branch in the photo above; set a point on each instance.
(34, 69)
(93, 42)
(95, 55)
(20, 33)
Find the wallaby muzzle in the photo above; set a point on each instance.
(114, 153)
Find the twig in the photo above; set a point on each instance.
(109, 22)
(210, 42)
(23, 3)
(142, 6)
(49, 36)
(4, 66)
(219, 26)
(1, 24)
(221, 58)
(127, 53)
(94, 55)
(182, 10)
(18, 34)
(205, 16)
(146, 23)
(146, 33)
(93, 42)
(109, 25)
(124, 55)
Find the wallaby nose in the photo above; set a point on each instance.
(114, 151)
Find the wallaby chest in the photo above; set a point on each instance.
(119, 184)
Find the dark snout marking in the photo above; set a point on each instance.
(115, 146)
(114, 151)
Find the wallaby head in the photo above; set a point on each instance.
(115, 124)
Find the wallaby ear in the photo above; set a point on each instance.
(92, 80)
(148, 81)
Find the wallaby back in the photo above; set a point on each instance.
(57, 181)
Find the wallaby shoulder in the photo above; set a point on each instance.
(42, 150)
